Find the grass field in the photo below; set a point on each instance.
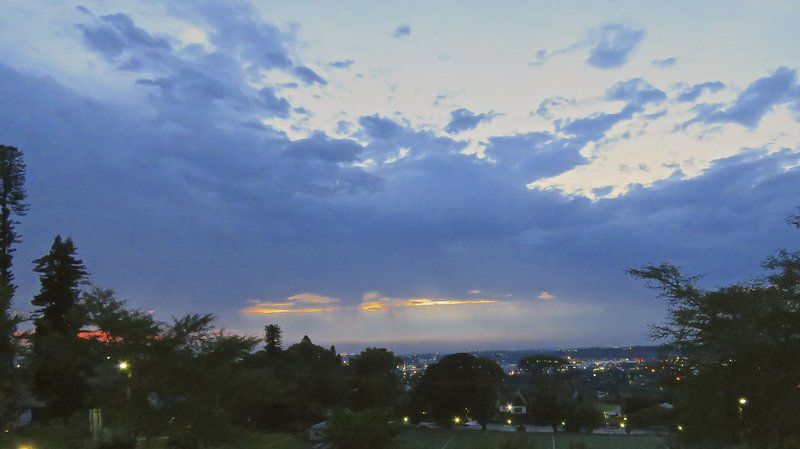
(469, 439)
(54, 438)
(411, 439)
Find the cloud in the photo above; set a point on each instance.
(462, 120)
(112, 34)
(664, 63)
(374, 302)
(613, 45)
(401, 31)
(610, 46)
(312, 298)
(343, 64)
(388, 140)
(434, 302)
(692, 93)
(308, 76)
(754, 102)
(298, 303)
(234, 208)
(546, 296)
(544, 109)
(636, 93)
(259, 310)
(321, 147)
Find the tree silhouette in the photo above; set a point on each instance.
(60, 360)
(12, 204)
(60, 274)
(739, 349)
(273, 336)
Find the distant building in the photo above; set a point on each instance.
(515, 405)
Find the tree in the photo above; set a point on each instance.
(60, 274)
(370, 429)
(318, 379)
(273, 336)
(376, 381)
(12, 204)
(60, 360)
(739, 346)
(461, 385)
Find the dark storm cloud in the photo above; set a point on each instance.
(319, 146)
(693, 93)
(114, 33)
(536, 155)
(189, 202)
(387, 138)
(463, 120)
(613, 46)
(754, 102)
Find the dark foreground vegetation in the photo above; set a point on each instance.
(94, 372)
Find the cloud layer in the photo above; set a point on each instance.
(217, 157)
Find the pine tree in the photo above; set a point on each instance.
(60, 360)
(274, 338)
(12, 203)
(60, 274)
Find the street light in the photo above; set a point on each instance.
(743, 401)
(457, 420)
(508, 421)
(125, 367)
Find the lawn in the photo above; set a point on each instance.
(475, 439)
(411, 439)
(58, 438)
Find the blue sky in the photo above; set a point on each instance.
(450, 176)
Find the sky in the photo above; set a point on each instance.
(426, 177)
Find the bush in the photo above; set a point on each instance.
(370, 429)
(118, 442)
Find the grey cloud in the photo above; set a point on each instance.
(462, 120)
(664, 63)
(308, 76)
(343, 64)
(693, 92)
(754, 102)
(401, 31)
(613, 46)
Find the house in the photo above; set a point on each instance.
(515, 405)
(316, 433)
(613, 413)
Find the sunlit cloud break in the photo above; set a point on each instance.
(259, 310)
(298, 303)
(373, 302)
